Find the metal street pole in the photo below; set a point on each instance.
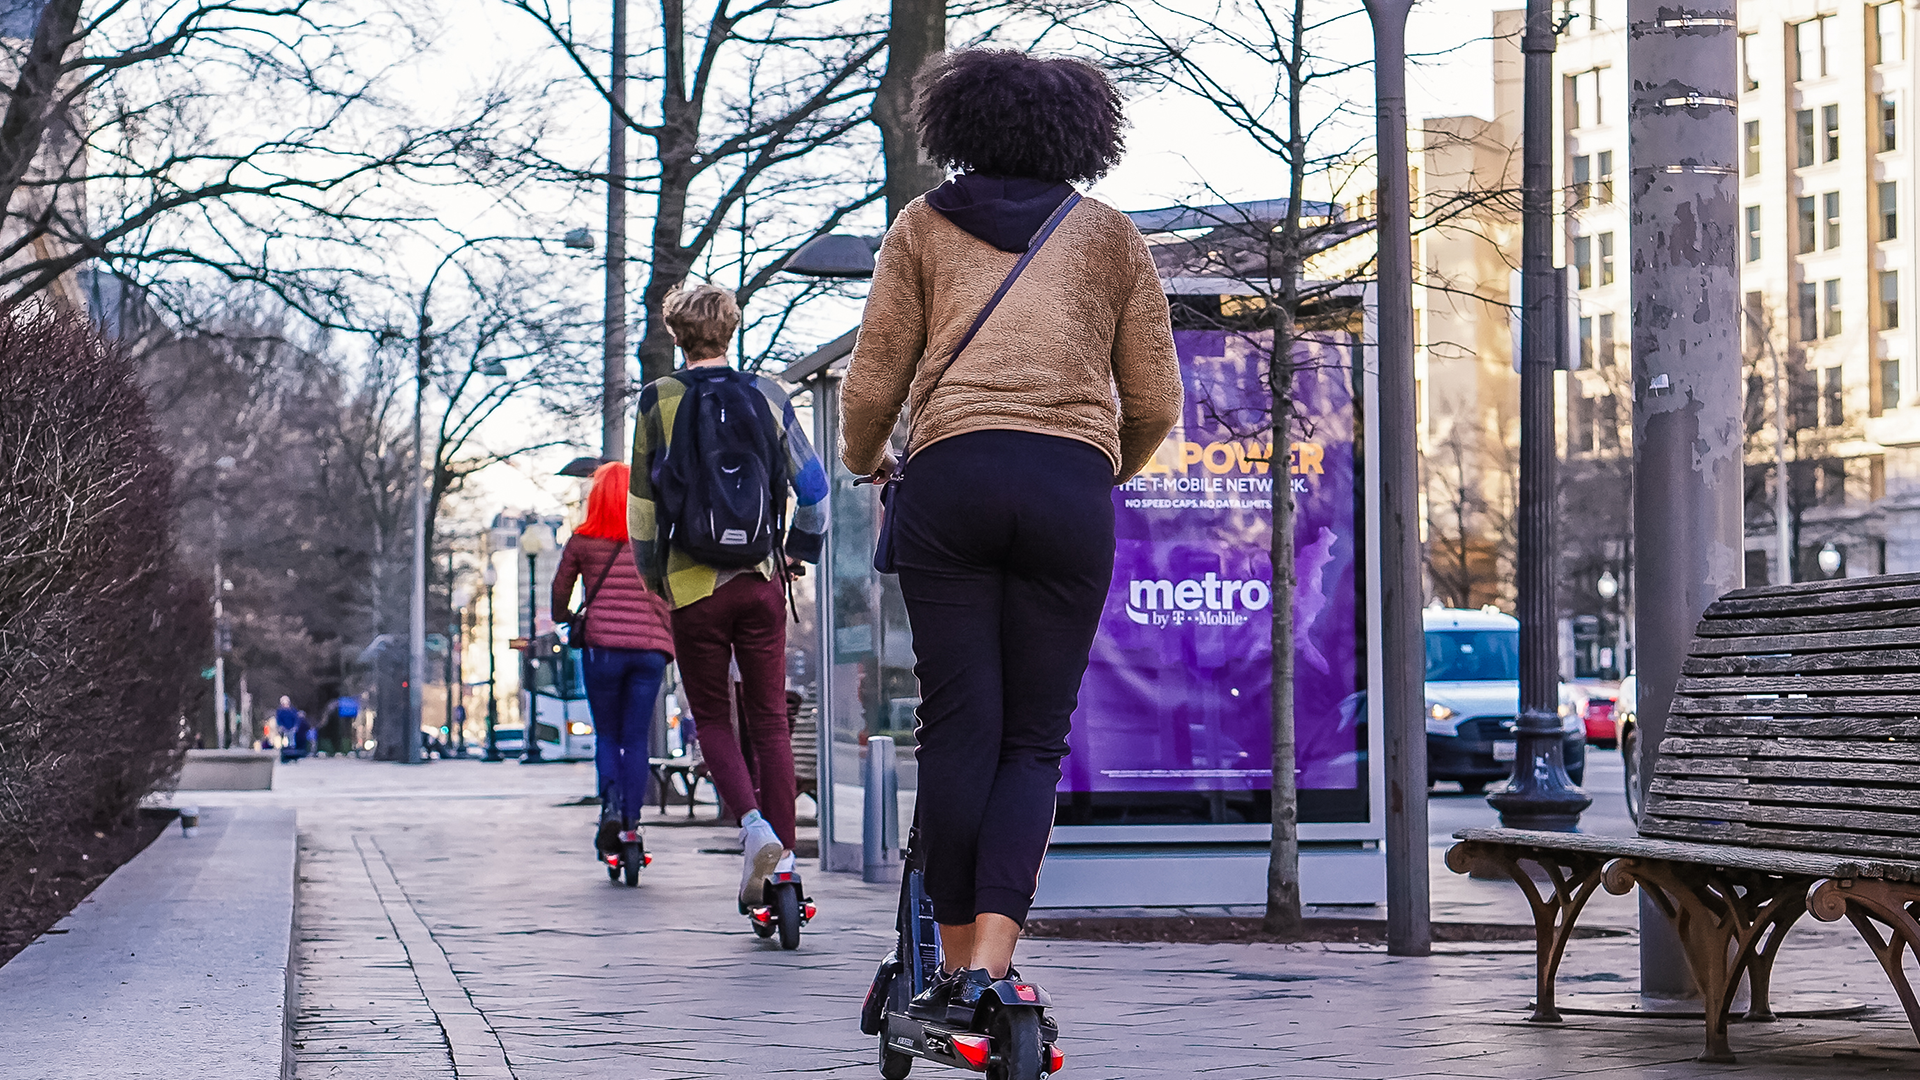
(417, 606)
(1540, 795)
(220, 633)
(493, 639)
(613, 374)
(1682, 131)
(453, 630)
(1403, 646)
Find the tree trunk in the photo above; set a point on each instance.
(917, 31)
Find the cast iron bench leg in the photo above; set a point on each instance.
(1730, 922)
(1574, 877)
(1866, 902)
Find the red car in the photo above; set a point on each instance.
(1594, 702)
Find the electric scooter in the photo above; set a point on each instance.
(629, 860)
(785, 911)
(1010, 1036)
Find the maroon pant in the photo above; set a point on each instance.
(745, 620)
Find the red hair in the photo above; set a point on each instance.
(607, 503)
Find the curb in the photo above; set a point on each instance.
(178, 965)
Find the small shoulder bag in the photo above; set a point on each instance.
(883, 554)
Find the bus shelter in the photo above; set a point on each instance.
(1164, 799)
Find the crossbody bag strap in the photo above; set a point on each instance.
(587, 601)
(1033, 248)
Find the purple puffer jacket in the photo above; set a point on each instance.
(623, 613)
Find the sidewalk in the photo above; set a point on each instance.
(454, 924)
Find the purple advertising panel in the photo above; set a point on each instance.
(1176, 698)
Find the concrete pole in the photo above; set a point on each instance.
(1540, 795)
(613, 369)
(1682, 129)
(1403, 646)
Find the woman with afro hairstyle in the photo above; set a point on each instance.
(1003, 522)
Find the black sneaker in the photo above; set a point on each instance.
(963, 1001)
(931, 1003)
(607, 840)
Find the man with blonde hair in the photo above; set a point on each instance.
(715, 453)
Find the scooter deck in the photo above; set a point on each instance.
(947, 1044)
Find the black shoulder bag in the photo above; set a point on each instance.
(883, 556)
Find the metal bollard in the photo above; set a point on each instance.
(880, 831)
(189, 820)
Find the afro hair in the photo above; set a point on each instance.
(1006, 113)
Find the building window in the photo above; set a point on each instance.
(1831, 397)
(1587, 106)
(1832, 326)
(1579, 420)
(1809, 312)
(1830, 132)
(1582, 182)
(1803, 217)
(1756, 320)
(1830, 217)
(1803, 138)
(1889, 384)
(1889, 33)
(1583, 262)
(1810, 49)
(1603, 339)
(1753, 234)
(1603, 177)
(1889, 210)
(1606, 258)
(1889, 299)
(1747, 81)
(1586, 342)
(1752, 130)
(1889, 129)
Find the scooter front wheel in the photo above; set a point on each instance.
(1016, 1045)
(786, 913)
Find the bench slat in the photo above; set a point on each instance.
(1804, 663)
(1907, 705)
(1885, 847)
(1829, 728)
(1809, 624)
(1896, 798)
(1815, 588)
(1883, 683)
(1814, 749)
(1867, 823)
(1860, 598)
(1771, 861)
(1785, 770)
(1767, 644)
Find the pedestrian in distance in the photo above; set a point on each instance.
(1030, 396)
(286, 718)
(715, 453)
(626, 644)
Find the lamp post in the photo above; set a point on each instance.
(1609, 587)
(1829, 559)
(535, 540)
(456, 662)
(221, 635)
(1540, 795)
(491, 577)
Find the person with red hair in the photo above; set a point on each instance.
(626, 642)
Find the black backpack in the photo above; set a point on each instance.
(721, 479)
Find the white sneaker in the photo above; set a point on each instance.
(761, 848)
(787, 864)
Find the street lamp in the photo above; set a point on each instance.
(1829, 559)
(1609, 587)
(222, 636)
(457, 665)
(535, 540)
(491, 577)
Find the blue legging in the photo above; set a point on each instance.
(621, 687)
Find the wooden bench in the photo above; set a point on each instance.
(1788, 781)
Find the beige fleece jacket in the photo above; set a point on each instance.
(1081, 346)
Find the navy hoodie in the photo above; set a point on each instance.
(1004, 211)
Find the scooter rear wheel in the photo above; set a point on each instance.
(786, 912)
(631, 858)
(894, 1065)
(1016, 1045)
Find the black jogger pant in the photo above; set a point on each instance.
(1004, 542)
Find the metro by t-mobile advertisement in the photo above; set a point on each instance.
(1176, 695)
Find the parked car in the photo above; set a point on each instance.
(1627, 709)
(1473, 700)
(510, 741)
(1592, 700)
